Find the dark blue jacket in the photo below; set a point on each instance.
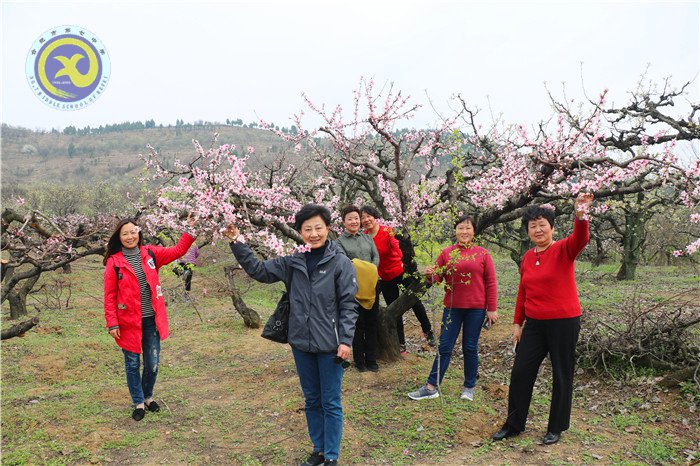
(323, 309)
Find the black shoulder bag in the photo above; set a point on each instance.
(277, 326)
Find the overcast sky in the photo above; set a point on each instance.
(250, 60)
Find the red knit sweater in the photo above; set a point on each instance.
(470, 278)
(390, 265)
(548, 290)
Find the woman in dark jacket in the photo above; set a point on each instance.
(135, 308)
(323, 311)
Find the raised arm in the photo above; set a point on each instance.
(269, 271)
(578, 239)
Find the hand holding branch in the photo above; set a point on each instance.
(232, 232)
(582, 205)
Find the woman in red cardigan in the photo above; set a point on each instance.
(547, 319)
(134, 306)
(391, 275)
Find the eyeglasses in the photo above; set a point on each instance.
(343, 362)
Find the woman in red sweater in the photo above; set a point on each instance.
(548, 303)
(471, 294)
(391, 276)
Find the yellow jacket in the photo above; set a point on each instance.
(367, 276)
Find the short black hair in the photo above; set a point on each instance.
(370, 210)
(347, 209)
(464, 218)
(534, 212)
(311, 210)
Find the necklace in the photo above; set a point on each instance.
(539, 253)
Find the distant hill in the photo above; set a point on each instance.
(29, 156)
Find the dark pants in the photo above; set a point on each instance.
(390, 291)
(364, 344)
(556, 337)
(186, 274)
(141, 386)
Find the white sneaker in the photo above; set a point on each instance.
(467, 394)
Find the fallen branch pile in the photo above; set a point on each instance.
(664, 336)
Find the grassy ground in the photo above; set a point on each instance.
(231, 397)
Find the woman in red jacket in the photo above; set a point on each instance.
(547, 319)
(134, 305)
(391, 276)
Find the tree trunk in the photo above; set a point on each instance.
(632, 243)
(523, 245)
(387, 335)
(19, 329)
(18, 298)
(251, 319)
(600, 254)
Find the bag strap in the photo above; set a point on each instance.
(153, 256)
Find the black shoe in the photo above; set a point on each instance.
(504, 433)
(138, 414)
(315, 459)
(430, 336)
(330, 463)
(361, 367)
(373, 367)
(153, 407)
(551, 438)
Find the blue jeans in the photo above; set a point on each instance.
(321, 379)
(453, 320)
(141, 387)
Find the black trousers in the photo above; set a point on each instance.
(185, 273)
(390, 291)
(188, 279)
(364, 344)
(556, 337)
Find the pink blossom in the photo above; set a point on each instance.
(693, 247)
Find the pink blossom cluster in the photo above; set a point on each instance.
(217, 188)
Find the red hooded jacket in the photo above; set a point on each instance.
(122, 301)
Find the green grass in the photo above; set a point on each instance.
(234, 398)
(655, 450)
